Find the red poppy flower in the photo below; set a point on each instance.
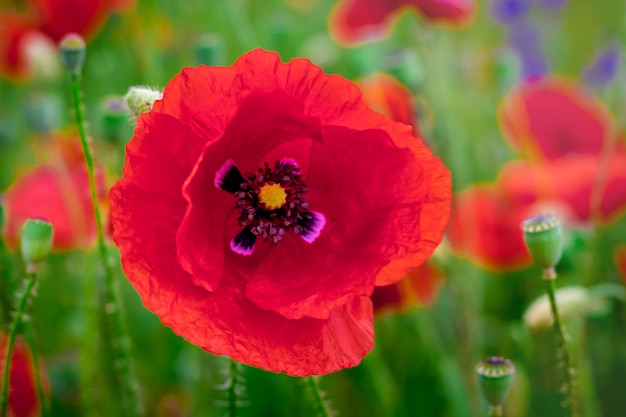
(485, 220)
(49, 19)
(354, 21)
(260, 205)
(57, 191)
(420, 287)
(23, 397)
(57, 18)
(386, 95)
(552, 118)
(14, 32)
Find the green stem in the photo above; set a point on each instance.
(30, 338)
(571, 388)
(321, 406)
(232, 389)
(15, 324)
(6, 284)
(126, 380)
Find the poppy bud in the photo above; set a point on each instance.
(209, 50)
(36, 241)
(141, 99)
(114, 118)
(543, 235)
(494, 376)
(72, 48)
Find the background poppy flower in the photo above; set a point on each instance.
(260, 205)
(355, 21)
(385, 94)
(58, 191)
(419, 288)
(23, 397)
(46, 22)
(552, 118)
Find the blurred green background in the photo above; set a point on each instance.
(423, 362)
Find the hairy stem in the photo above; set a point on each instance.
(29, 285)
(570, 388)
(120, 344)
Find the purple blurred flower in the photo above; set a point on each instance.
(525, 38)
(508, 11)
(604, 68)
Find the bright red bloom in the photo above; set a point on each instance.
(57, 191)
(420, 287)
(354, 21)
(273, 268)
(386, 95)
(50, 19)
(552, 118)
(23, 397)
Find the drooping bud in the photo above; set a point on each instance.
(494, 377)
(543, 235)
(141, 99)
(72, 48)
(114, 118)
(209, 50)
(36, 242)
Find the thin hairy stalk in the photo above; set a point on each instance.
(27, 291)
(322, 409)
(120, 343)
(571, 387)
(30, 338)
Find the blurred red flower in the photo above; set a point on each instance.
(23, 397)
(57, 191)
(21, 32)
(552, 118)
(260, 205)
(419, 288)
(355, 21)
(386, 95)
(577, 170)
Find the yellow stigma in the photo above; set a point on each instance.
(273, 196)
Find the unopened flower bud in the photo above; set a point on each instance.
(494, 377)
(141, 99)
(114, 118)
(543, 235)
(209, 50)
(36, 241)
(72, 48)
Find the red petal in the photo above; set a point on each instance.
(553, 118)
(14, 31)
(59, 17)
(386, 95)
(61, 196)
(485, 227)
(355, 21)
(23, 397)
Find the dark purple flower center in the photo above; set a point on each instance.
(270, 203)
